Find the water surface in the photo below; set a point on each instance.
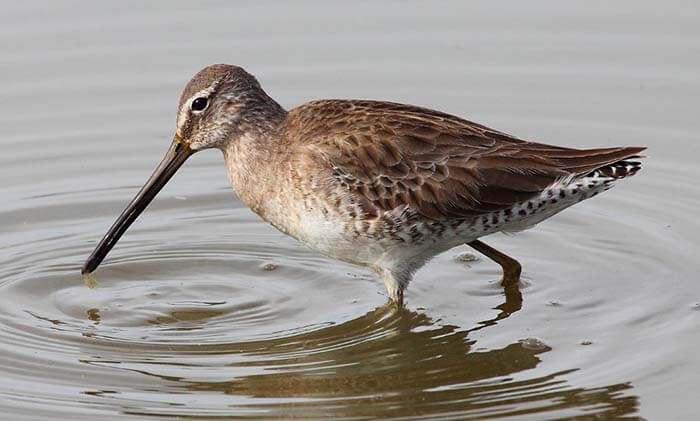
(204, 311)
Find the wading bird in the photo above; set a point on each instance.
(379, 184)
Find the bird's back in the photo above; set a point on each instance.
(438, 165)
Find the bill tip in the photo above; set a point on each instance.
(89, 280)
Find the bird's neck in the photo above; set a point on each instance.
(249, 163)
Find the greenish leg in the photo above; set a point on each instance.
(511, 267)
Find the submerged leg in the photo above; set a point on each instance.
(395, 284)
(511, 267)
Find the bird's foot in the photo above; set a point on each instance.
(511, 272)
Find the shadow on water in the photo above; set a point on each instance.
(387, 363)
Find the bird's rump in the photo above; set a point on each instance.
(440, 165)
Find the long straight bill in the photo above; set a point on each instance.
(174, 158)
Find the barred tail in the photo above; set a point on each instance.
(617, 170)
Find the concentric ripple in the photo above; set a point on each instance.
(234, 319)
(184, 323)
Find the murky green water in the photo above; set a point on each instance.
(204, 311)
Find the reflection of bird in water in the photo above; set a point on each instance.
(379, 184)
(390, 362)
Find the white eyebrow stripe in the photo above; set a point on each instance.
(184, 111)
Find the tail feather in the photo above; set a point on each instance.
(589, 160)
(613, 163)
(617, 170)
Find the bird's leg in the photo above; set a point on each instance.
(395, 284)
(395, 291)
(398, 299)
(511, 267)
(511, 287)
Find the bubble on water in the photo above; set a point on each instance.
(534, 344)
(466, 258)
(270, 267)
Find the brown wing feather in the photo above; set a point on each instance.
(439, 165)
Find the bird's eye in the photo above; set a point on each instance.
(199, 104)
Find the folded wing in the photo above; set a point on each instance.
(438, 165)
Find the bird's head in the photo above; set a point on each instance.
(220, 105)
